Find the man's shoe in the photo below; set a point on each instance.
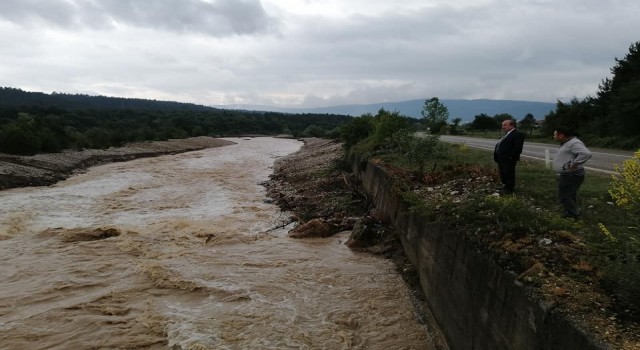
(505, 192)
(571, 216)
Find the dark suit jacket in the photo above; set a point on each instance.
(510, 147)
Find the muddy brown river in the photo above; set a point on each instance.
(177, 252)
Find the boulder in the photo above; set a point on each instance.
(314, 228)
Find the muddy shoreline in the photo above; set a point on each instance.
(49, 168)
(313, 185)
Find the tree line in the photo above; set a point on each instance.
(12, 97)
(611, 118)
(31, 130)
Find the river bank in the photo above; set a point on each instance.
(49, 168)
(312, 185)
(315, 191)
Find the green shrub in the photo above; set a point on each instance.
(416, 151)
(356, 130)
(625, 188)
(387, 124)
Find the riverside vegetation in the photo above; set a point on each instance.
(33, 123)
(588, 269)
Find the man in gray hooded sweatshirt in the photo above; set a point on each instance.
(568, 165)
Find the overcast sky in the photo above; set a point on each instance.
(311, 53)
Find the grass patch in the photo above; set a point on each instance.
(600, 249)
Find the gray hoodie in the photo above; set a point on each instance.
(572, 152)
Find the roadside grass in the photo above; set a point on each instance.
(597, 207)
(609, 233)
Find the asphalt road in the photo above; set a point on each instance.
(602, 160)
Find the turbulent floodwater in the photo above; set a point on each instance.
(176, 252)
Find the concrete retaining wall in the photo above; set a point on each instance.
(477, 304)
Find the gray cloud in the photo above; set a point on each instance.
(216, 18)
(58, 12)
(285, 52)
(467, 53)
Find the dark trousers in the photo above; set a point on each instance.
(568, 185)
(507, 170)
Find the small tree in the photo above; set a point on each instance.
(625, 188)
(623, 272)
(484, 122)
(455, 124)
(387, 123)
(435, 114)
(500, 117)
(528, 122)
(416, 151)
(356, 129)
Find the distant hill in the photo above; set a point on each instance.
(465, 109)
(12, 97)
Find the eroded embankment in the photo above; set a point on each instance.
(311, 184)
(478, 304)
(49, 168)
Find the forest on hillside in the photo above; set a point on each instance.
(32, 123)
(12, 97)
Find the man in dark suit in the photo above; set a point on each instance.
(507, 153)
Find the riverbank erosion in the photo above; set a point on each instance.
(477, 301)
(324, 197)
(49, 168)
